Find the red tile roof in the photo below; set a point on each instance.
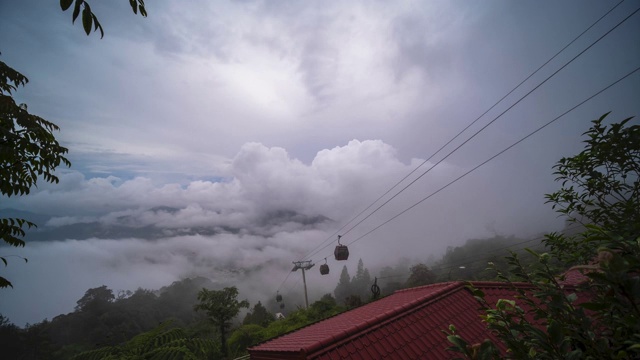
(405, 325)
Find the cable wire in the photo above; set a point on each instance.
(496, 155)
(332, 236)
(491, 122)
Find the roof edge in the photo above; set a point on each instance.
(383, 318)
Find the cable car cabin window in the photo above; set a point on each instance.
(324, 269)
(341, 252)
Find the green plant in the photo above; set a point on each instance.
(221, 307)
(28, 148)
(161, 343)
(600, 317)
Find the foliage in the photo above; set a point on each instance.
(158, 344)
(221, 307)
(248, 335)
(95, 298)
(420, 274)
(361, 282)
(601, 186)
(325, 307)
(259, 316)
(245, 336)
(343, 289)
(353, 301)
(101, 321)
(358, 286)
(89, 19)
(28, 150)
(470, 260)
(600, 318)
(393, 278)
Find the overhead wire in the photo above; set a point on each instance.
(484, 127)
(494, 156)
(332, 236)
(496, 118)
(489, 123)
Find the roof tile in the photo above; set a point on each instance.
(406, 324)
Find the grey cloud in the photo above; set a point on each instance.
(202, 128)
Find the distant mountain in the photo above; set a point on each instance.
(127, 227)
(279, 217)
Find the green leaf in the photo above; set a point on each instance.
(76, 10)
(65, 4)
(87, 20)
(134, 6)
(594, 306)
(97, 26)
(457, 341)
(5, 283)
(555, 332)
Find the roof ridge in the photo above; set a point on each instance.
(385, 317)
(417, 288)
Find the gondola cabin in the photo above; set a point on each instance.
(281, 305)
(324, 269)
(341, 252)
(278, 298)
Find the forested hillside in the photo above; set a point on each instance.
(103, 319)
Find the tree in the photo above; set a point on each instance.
(259, 316)
(11, 338)
(323, 308)
(343, 289)
(601, 318)
(96, 297)
(361, 282)
(353, 301)
(221, 307)
(159, 343)
(28, 148)
(245, 336)
(600, 186)
(420, 274)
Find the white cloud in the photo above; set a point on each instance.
(261, 180)
(212, 114)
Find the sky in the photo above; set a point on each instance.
(227, 139)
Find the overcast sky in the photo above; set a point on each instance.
(232, 113)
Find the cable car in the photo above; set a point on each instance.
(324, 268)
(342, 251)
(282, 306)
(278, 297)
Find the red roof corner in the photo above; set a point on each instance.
(405, 325)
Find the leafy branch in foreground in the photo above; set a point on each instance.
(28, 148)
(599, 317)
(89, 19)
(28, 151)
(158, 344)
